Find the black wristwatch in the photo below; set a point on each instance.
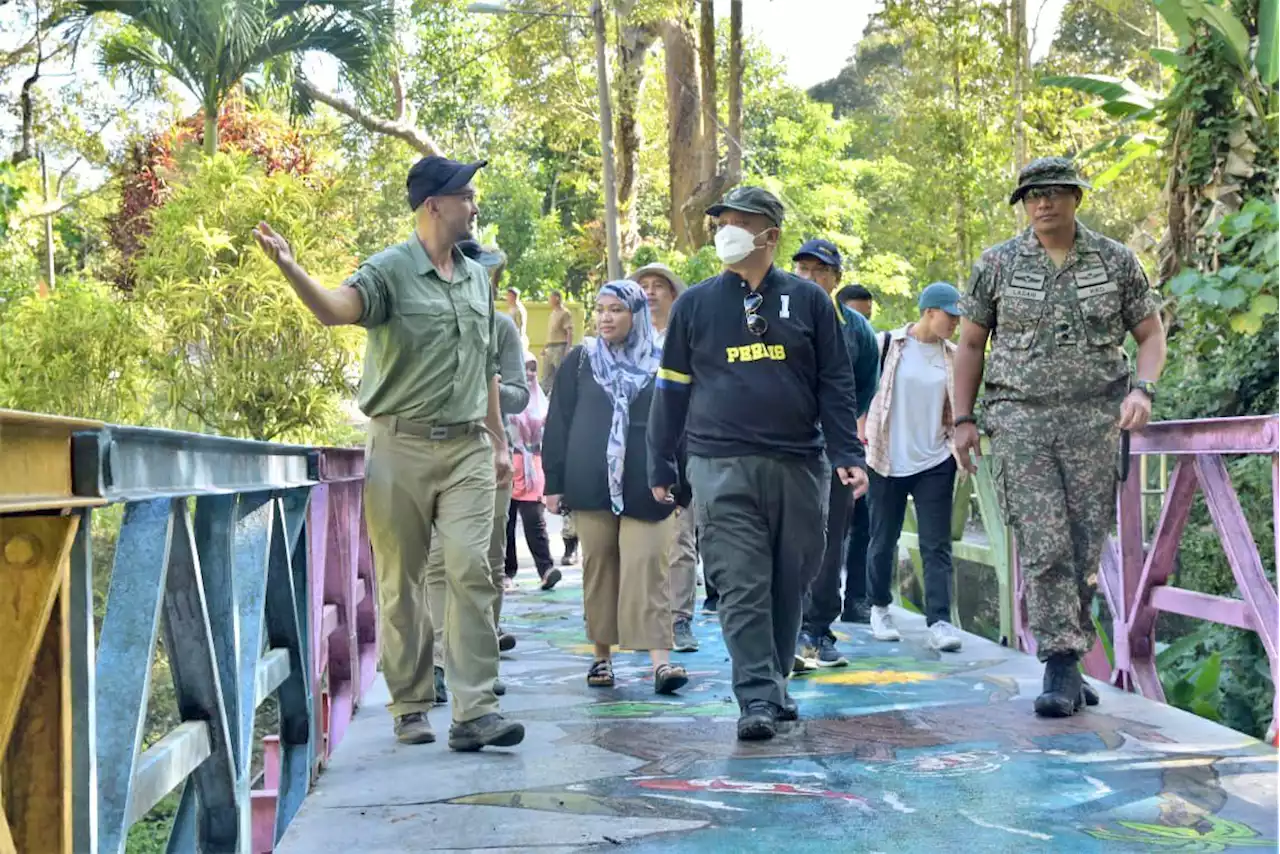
(966, 419)
(1148, 388)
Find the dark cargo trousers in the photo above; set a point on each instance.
(762, 526)
(822, 602)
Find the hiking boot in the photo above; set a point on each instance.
(790, 711)
(506, 641)
(857, 611)
(683, 631)
(1063, 687)
(828, 655)
(882, 626)
(807, 648)
(414, 728)
(944, 637)
(1090, 694)
(442, 693)
(759, 721)
(492, 730)
(800, 664)
(551, 578)
(570, 550)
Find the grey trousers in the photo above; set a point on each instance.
(762, 523)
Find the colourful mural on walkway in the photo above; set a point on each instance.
(904, 749)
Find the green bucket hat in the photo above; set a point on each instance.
(1048, 172)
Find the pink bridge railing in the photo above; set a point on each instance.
(1135, 569)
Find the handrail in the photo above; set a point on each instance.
(227, 547)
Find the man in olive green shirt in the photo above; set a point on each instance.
(436, 448)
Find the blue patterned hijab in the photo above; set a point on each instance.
(623, 370)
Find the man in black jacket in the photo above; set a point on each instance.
(753, 361)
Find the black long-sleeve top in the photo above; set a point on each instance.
(576, 439)
(731, 393)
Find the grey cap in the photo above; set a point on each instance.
(752, 200)
(1048, 172)
(677, 283)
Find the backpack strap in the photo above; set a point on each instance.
(885, 338)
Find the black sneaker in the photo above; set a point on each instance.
(857, 611)
(442, 693)
(506, 641)
(1090, 694)
(1063, 687)
(790, 710)
(759, 721)
(492, 730)
(551, 579)
(711, 605)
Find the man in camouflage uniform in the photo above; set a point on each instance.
(1057, 302)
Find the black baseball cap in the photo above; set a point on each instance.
(752, 200)
(823, 250)
(438, 176)
(473, 250)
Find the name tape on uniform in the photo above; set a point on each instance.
(1097, 290)
(756, 352)
(1024, 293)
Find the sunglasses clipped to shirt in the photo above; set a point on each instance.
(756, 324)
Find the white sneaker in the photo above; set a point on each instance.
(882, 627)
(944, 637)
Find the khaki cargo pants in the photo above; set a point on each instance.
(437, 581)
(415, 487)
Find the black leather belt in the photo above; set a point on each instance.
(435, 432)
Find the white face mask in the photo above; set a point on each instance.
(733, 243)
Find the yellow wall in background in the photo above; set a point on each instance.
(539, 312)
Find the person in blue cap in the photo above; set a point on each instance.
(437, 449)
(819, 261)
(911, 453)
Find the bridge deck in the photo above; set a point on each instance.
(905, 749)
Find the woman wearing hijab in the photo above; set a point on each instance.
(528, 482)
(600, 409)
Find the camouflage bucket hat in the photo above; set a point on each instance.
(1048, 172)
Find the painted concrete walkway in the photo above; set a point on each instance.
(904, 750)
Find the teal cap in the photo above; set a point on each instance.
(940, 295)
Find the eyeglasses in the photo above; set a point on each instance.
(756, 324)
(1051, 194)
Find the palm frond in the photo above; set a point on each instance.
(138, 55)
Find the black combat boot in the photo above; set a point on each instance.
(1063, 687)
(570, 551)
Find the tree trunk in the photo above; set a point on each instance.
(211, 130)
(1018, 20)
(709, 191)
(733, 144)
(683, 124)
(710, 156)
(633, 47)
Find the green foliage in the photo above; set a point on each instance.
(211, 47)
(81, 352)
(11, 193)
(1244, 286)
(236, 350)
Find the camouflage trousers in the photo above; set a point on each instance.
(1055, 471)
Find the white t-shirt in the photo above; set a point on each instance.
(659, 337)
(917, 440)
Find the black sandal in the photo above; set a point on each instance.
(669, 678)
(600, 675)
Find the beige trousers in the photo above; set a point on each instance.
(684, 564)
(437, 587)
(415, 488)
(625, 591)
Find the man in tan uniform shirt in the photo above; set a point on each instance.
(559, 339)
(436, 448)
